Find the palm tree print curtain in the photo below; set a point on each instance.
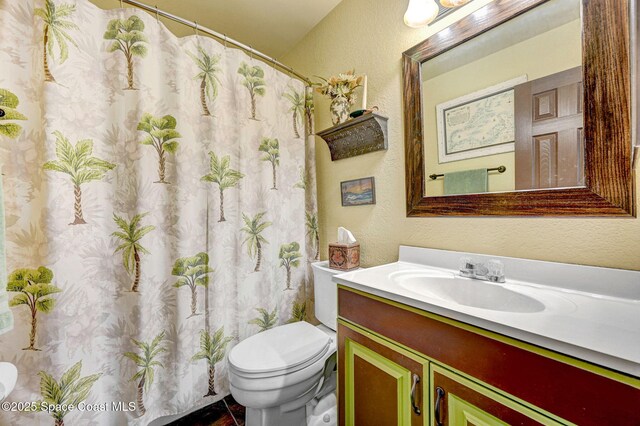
(159, 206)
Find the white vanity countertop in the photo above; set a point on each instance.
(590, 313)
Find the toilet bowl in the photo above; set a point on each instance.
(276, 374)
(284, 376)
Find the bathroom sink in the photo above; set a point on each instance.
(468, 292)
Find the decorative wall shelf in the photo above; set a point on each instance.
(367, 133)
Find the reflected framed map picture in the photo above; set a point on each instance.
(477, 124)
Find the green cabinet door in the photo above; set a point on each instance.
(458, 401)
(380, 384)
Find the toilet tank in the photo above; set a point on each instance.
(326, 293)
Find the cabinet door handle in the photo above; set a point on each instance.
(416, 380)
(438, 405)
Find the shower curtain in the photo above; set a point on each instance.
(160, 207)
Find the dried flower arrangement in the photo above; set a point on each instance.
(341, 89)
(341, 85)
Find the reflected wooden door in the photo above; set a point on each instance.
(549, 146)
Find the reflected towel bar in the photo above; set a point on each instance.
(500, 169)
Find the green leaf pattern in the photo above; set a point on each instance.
(8, 113)
(271, 149)
(161, 135)
(223, 175)
(297, 102)
(192, 272)
(34, 290)
(127, 36)
(212, 349)
(70, 391)
(81, 167)
(129, 235)
(146, 360)
(253, 80)
(57, 21)
(207, 76)
(265, 320)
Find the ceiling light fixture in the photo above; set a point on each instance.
(420, 13)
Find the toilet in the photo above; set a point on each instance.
(285, 376)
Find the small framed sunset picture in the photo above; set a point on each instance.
(358, 192)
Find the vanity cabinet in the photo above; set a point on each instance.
(399, 365)
(382, 383)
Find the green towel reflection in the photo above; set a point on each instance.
(466, 182)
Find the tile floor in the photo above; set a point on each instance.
(226, 412)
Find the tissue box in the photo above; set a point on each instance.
(344, 257)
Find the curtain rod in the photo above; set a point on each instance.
(217, 35)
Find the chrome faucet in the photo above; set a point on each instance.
(492, 271)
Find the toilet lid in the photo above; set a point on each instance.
(281, 348)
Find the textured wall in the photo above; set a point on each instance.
(370, 36)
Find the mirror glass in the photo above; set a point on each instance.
(503, 111)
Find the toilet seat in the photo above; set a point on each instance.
(275, 374)
(280, 351)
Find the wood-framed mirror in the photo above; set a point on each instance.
(594, 178)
